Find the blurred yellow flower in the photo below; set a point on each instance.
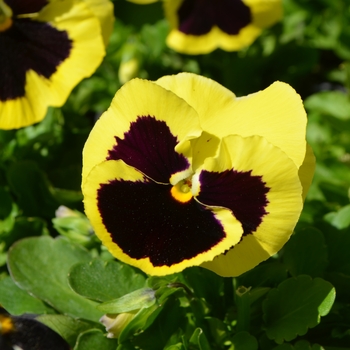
(201, 26)
(47, 48)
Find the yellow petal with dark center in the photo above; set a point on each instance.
(136, 101)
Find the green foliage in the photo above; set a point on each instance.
(296, 305)
(288, 302)
(45, 276)
(104, 281)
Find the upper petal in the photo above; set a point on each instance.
(146, 126)
(104, 11)
(276, 113)
(265, 12)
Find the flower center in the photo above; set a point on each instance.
(182, 191)
(5, 16)
(6, 324)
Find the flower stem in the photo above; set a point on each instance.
(242, 297)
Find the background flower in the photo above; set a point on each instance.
(199, 27)
(47, 49)
(172, 180)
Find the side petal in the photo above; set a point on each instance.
(104, 11)
(141, 223)
(261, 186)
(307, 170)
(276, 113)
(265, 12)
(148, 127)
(86, 55)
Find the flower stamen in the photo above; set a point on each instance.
(182, 191)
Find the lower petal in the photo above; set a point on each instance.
(141, 223)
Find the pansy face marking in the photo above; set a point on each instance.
(168, 184)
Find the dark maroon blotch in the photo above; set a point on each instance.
(197, 17)
(20, 7)
(241, 192)
(144, 220)
(29, 45)
(149, 146)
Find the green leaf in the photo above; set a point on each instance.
(5, 203)
(243, 341)
(178, 346)
(199, 340)
(31, 187)
(300, 345)
(68, 327)
(284, 346)
(339, 219)
(25, 227)
(333, 103)
(40, 265)
(143, 318)
(157, 333)
(141, 298)
(296, 305)
(17, 301)
(218, 330)
(94, 339)
(306, 253)
(267, 274)
(104, 281)
(305, 345)
(338, 243)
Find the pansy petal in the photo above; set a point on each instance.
(307, 170)
(265, 12)
(261, 186)
(148, 127)
(84, 31)
(44, 61)
(141, 224)
(276, 113)
(53, 9)
(104, 11)
(21, 111)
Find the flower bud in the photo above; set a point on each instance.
(115, 323)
